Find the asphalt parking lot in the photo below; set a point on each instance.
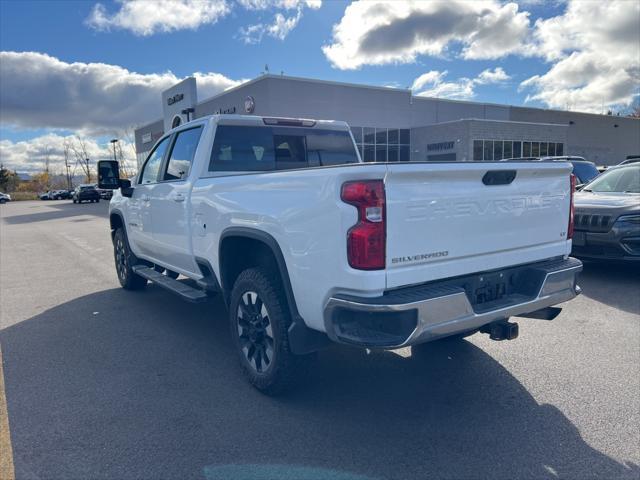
(105, 383)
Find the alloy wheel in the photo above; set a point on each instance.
(255, 332)
(121, 259)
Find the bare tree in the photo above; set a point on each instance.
(79, 148)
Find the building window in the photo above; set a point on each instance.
(393, 153)
(382, 144)
(517, 149)
(477, 150)
(497, 150)
(369, 153)
(535, 149)
(506, 151)
(369, 135)
(488, 150)
(405, 153)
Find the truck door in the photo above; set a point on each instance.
(170, 204)
(140, 226)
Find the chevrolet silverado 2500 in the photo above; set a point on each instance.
(308, 244)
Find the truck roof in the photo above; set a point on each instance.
(260, 121)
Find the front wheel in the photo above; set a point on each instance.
(259, 318)
(125, 260)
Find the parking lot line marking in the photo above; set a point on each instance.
(6, 452)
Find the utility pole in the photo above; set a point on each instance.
(88, 172)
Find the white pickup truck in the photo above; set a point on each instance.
(308, 244)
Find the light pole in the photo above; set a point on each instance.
(88, 172)
(113, 142)
(187, 111)
(68, 174)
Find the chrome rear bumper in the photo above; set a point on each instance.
(436, 310)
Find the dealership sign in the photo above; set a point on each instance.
(175, 99)
(440, 146)
(225, 110)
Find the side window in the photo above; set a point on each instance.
(182, 153)
(152, 167)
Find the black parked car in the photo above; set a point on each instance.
(607, 216)
(60, 195)
(584, 170)
(86, 193)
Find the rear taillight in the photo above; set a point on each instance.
(366, 239)
(571, 207)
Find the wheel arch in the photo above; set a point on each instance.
(116, 220)
(302, 338)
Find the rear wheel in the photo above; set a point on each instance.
(259, 318)
(125, 260)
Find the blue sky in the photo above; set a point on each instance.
(486, 50)
(57, 28)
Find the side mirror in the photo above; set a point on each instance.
(108, 175)
(125, 187)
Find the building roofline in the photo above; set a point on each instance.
(495, 120)
(266, 76)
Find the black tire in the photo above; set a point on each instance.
(2, 201)
(125, 259)
(259, 295)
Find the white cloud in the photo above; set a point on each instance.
(279, 28)
(144, 17)
(497, 75)
(595, 51)
(433, 84)
(281, 25)
(40, 91)
(380, 32)
(29, 156)
(279, 4)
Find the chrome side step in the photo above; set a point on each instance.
(184, 291)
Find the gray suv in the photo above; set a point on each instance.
(607, 216)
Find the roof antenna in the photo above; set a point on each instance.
(266, 68)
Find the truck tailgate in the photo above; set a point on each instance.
(450, 219)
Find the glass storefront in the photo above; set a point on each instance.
(383, 144)
(487, 150)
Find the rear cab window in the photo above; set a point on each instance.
(271, 148)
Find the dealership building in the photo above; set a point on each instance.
(391, 124)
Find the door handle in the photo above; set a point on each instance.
(178, 197)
